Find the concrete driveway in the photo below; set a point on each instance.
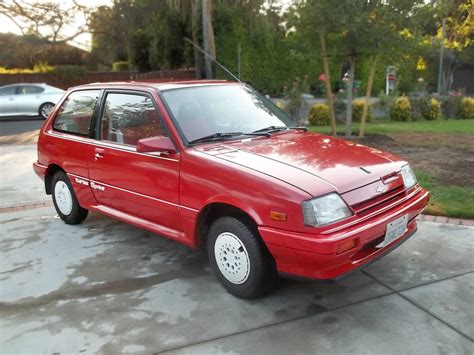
(107, 287)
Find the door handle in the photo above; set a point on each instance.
(98, 156)
(99, 153)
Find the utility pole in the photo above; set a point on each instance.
(239, 50)
(205, 36)
(441, 58)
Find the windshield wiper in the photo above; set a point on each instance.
(271, 129)
(216, 137)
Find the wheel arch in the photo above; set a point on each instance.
(214, 210)
(48, 177)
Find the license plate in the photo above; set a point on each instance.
(395, 230)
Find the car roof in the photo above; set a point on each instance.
(18, 84)
(161, 85)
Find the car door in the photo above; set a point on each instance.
(141, 185)
(28, 99)
(8, 98)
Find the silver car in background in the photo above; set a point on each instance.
(28, 99)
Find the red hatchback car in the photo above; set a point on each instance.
(216, 163)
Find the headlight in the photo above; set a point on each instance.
(324, 210)
(409, 178)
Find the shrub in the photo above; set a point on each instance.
(358, 108)
(340, 108)
(400, 109)
(466, 108)
(120, 66)
(319, 115)
(385, 101)
(431, 110)
(418, 104)
(450, 106)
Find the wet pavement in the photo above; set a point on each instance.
(107, 287)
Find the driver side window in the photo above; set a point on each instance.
(127, 118)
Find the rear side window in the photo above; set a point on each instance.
(75, 114)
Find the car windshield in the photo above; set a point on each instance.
(222, 112)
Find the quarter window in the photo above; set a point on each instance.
(128, 118)
(76, 112)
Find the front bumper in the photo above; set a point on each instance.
(315, 255)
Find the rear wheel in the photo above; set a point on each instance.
(45, 109)
(65, 200)
(239, 258)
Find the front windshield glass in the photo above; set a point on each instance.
(206, 110)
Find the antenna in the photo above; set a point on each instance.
(209, 56)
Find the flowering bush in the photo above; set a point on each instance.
(431, 110)
(319, 115)
(466, 108)
(358, 108)
(400, 109)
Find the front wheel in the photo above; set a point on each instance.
(45, 109)
(239, 258)
(65, 200)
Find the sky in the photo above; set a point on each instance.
(84, 40)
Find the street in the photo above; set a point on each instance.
(16, 125)
(107, 287)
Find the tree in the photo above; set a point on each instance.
(189, 11)
(46, 20)
(458, 16)
(388, 24)
(316, 19)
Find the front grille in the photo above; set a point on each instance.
(384, 199)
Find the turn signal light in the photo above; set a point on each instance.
(277, 216)
(350, 244)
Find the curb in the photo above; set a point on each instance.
(446, 220)
(421, 217)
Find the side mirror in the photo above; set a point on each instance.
(159, 144)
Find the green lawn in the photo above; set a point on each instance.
(383, 127)
(451, 201)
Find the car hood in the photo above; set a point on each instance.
(300, 158)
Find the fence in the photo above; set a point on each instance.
(93, 77)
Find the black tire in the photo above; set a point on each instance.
(262, 275)
(77, 214)
(42, 108)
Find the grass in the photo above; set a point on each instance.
(384, 127)
(451, 201)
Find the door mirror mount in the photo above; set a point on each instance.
(159, 144)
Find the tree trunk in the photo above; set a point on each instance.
(327, 82)
(370, 81)
(350, 89)
(205, 35)
(197, 57)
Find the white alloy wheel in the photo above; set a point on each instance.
(232, 258)
(46, 109)
(63, 197)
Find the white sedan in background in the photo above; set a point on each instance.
(28, 99)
